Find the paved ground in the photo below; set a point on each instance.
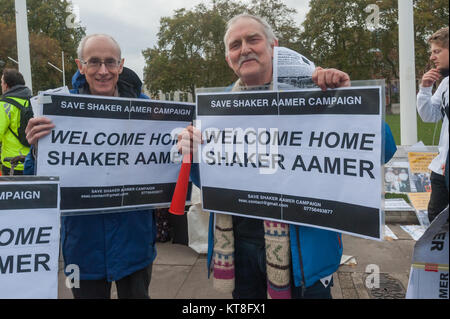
(180, 273)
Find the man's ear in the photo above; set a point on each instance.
(274, 44)
(121, 65)
(79, 65)
(228, 61)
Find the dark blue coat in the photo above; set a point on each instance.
(112, 245)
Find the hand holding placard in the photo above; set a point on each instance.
(179, 196)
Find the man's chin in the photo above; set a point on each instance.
(107, 91)
(250, 73)
(444, 72)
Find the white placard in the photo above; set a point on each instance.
(305, 157)
(112, 153)
(29, 238)
(429, 277)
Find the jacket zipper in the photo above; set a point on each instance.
(301, 262)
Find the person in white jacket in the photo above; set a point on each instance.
(432, 108)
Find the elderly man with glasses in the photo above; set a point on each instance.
(116, 247)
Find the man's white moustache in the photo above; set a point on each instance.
(247, 58)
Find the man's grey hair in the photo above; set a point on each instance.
(83, 41)
(267, 29)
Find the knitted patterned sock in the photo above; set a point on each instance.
(223, 256)
(277, 260)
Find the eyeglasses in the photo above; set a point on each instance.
(110, 64)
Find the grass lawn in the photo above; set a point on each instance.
(425, 131)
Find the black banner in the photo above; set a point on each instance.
(107, 108)
(73, 198)
(291, 209)
(347, 102)
(237, 104)
(26, 196)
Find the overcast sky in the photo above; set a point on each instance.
(135, 23)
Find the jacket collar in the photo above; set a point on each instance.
(240, 86)
(19, 91)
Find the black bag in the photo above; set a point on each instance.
(26, 113)
(162, 225)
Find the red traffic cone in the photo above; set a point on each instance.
(179, 195)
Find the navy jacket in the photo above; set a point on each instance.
(316, 253)
(112, 245)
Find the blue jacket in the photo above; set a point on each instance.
(315, 253)
(112, 245)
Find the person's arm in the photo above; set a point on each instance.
(389, 143)
(144, 96)
(429, 105)
(29, 164)
(37, 128)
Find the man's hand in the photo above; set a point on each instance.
(188, 140)
(38, 127)
(330, 78)
(430, 77)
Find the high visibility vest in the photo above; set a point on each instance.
(10, 118)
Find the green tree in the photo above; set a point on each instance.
(190, 51)
(50, 34)
(336, 35)
(281, 18)
(42, 50)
